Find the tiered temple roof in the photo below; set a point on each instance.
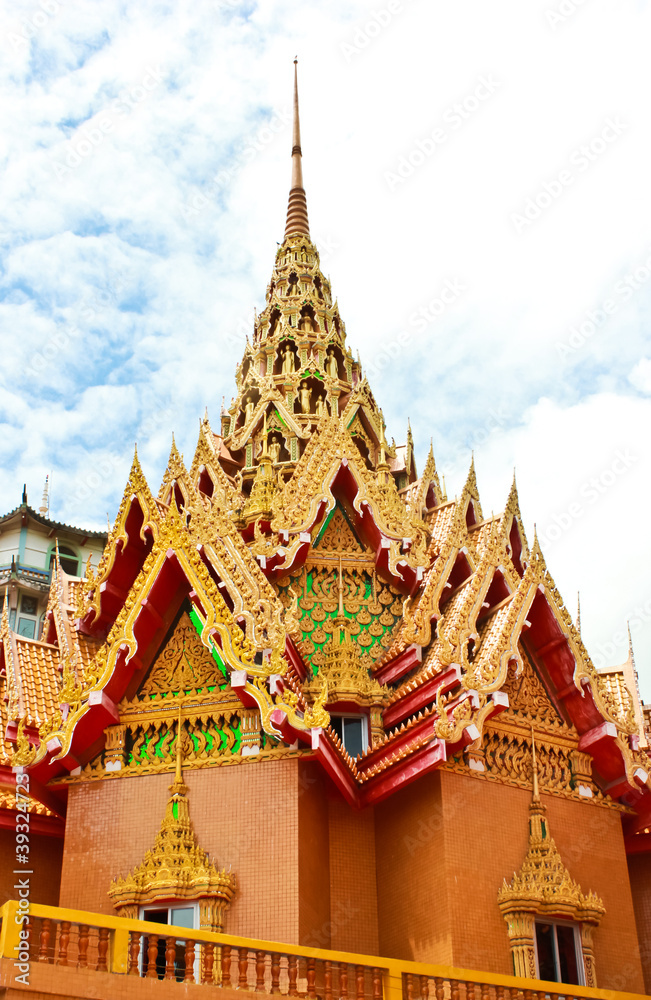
(321, 577)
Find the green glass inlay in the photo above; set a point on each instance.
(159, 745)
(198, 625)
(236, 728)
(325, 525)
(175, 810)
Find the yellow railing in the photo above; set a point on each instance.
(75, 939)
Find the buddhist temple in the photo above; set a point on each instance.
(335, 728)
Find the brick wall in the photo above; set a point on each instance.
(245, 816)
(444, 846)
(313, 868)
(353, 888)
(413, 904)
(416, 878)
(486, 828)
(639, 868)
(45, 860)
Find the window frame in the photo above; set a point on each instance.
(169, 905)
(578, 948)
(66, 552)
(359, 717)
(28, 617)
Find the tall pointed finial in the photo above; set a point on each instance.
(45, 502)
(297, 223)
(536, 793)
(178, 777)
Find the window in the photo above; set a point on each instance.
(559, 954)
(68, 558)
(28, 615)
(352, 731)
(175, 916)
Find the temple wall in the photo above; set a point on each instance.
(313, 869)
(244, 815)
(353, 889)
(639, 868)
(45, 857)
(414, 878)
(486, 839)
(444, 845)
(413, 904)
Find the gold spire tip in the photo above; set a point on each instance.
(536, 792)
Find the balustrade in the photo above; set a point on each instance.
(136, 948)
(444, 988)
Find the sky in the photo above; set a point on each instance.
(477, 179)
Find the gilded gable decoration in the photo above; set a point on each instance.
(543, 888)
(176, 868)
(184, 664)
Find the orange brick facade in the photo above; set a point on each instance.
(444, 846)
(639, 868)
(245, 816)
(46, 854)
(413, 878)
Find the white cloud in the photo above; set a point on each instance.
(640, 377)
(123, 312)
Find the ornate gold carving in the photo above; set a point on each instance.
(25, 752)
(176, 867)
(542, 888)
(317, 716)
(184, 664)
(137, 490)
(451, 724)
(338, 537)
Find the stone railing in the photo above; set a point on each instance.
(77, 954)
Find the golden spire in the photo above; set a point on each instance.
(536, 793)
(297, 223)
(178, 777)
(176, 867)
